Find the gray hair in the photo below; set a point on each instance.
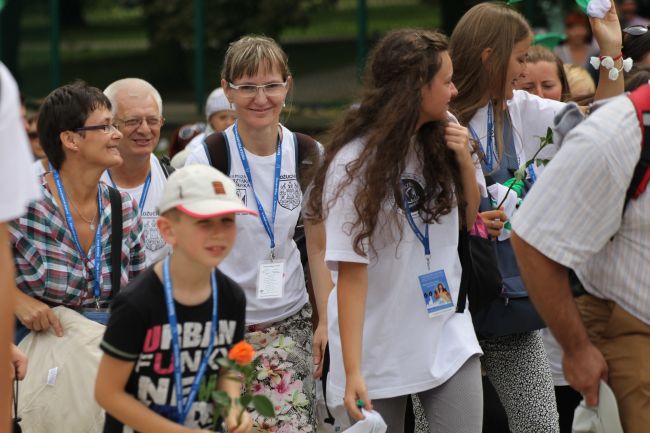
(131, 84)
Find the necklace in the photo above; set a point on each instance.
(90, 222)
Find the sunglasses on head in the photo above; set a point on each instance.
(637, 30)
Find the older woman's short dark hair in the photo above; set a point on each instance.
(65, 109)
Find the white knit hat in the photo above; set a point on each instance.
(216, 102)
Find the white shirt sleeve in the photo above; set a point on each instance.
(341, 214)
(197, 156)
(18, 185)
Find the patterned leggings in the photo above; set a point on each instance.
(285, 373)
(518, 368)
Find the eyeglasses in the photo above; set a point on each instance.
(136, 122)
(637, 30)
(250, 90)
(106, 128)
(190, 131)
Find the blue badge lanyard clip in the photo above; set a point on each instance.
(183, 405)
(424, 238)
(268, 226)
(75, 237)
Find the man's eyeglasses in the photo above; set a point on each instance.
(250, 90)
(136, 122)
(636, 30)
(106, 128)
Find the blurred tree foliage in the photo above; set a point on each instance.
(171, 22)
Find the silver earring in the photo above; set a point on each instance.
(284, 104)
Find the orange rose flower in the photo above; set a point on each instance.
(242, 353)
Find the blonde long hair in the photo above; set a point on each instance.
(486, 25)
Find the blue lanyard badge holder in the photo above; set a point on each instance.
(434, 287)
(270, 276)
(183, 405)
(97, 265)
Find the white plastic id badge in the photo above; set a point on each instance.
(270, 279)
(436, 293)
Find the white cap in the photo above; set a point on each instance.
(603, 418)
(216, 102)
(201, 191)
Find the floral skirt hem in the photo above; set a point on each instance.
(285, 373)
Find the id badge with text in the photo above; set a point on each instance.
(270, 279)
(436, 293)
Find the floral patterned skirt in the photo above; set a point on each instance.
(285, 373)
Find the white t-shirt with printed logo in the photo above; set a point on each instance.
(18, 186)
(253, 244)
(403, 350)
(155, 246)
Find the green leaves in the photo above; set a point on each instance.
(221, 399)
(263, 406)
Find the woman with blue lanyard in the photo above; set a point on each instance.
(62, 246)
(395, 189)
(489, 50)
(265, 261)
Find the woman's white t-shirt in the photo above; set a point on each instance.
(253, 244)
(531, 116)
(403, 349)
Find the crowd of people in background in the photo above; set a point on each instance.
(340, 263)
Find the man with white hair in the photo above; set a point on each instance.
(137, 109)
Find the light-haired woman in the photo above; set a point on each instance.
(263, 161)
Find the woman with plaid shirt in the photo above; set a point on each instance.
(62, 245)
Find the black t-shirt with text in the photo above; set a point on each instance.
(138, 331)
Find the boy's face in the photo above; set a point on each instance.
(205, 240)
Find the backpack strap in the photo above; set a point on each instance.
(116, 239)
(307, 156)
(166, 165)
(218, 152)
(641, 100)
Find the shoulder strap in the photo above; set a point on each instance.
(166, 165)
(116, 239)
(641, 100)
(307, 156)
(216, 148)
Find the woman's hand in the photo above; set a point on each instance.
(318, 349)
(238, 420)
(355, 390)
(18, 363)
(607, 32)
(457, 139)
(494, 220)
(36, 315)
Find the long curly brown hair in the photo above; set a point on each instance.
(386, 119)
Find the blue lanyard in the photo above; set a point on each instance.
(489, 151)
(183, 406)
(424, 238)
(145, 189)
(75, 236)
(276, 186)
(531, 173)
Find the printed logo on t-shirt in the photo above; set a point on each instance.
(153, 241)
(289, 196)
(155, 368)
(413, 189)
